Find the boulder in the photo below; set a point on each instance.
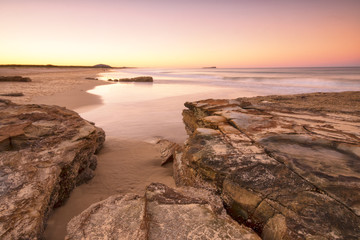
(163, 213)
(284, 170)
(14, 79)
(167, 150)
(45, 151)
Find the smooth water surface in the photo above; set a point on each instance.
(146, 110)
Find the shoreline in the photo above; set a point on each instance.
(76, 99)
(65, 87)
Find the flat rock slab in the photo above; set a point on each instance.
(163, 213)
(45, 151)
(285, 169)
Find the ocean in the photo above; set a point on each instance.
(147, 110)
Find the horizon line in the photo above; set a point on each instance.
(124, 67)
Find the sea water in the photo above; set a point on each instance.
(147, 110)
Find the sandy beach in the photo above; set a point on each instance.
(54, 86)
(123, 165)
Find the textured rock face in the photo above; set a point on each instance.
(45, 151)
(167, 150)
(287, 171)
(163, 213)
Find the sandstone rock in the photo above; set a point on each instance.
(163, 213)
(283, 170)
(14, 79)
(167, 150)
(45, 151)
(117, 217)
(137, 79)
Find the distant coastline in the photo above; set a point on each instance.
(57, 66)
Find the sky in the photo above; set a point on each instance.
(181, 33)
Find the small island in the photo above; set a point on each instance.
(102, 66)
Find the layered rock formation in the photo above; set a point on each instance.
(167, 150)
(45, 151)
(286, 166)
(162, 213)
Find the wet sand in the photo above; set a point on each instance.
(123, 166)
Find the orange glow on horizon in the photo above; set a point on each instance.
(184, 33)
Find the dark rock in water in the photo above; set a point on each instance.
(163, 213)
(14, 79)
(102, 66)
(91, 78)
(137, 79)
(284, 171)
(45, 151)
(12, 94)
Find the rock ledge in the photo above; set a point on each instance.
(45, 151)
(281, 169)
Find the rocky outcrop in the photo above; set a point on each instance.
(14, 79)
(45, 151)
(12, 94)
(281, 168)
(135, 79)
(163, 213)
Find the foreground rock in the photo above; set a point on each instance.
(163, 213)
(45, 151)
(286, 170)
(14, 79)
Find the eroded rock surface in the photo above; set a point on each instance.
(286, 170)
(163, 213)
(45, 151)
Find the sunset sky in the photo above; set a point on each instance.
(181, 33)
